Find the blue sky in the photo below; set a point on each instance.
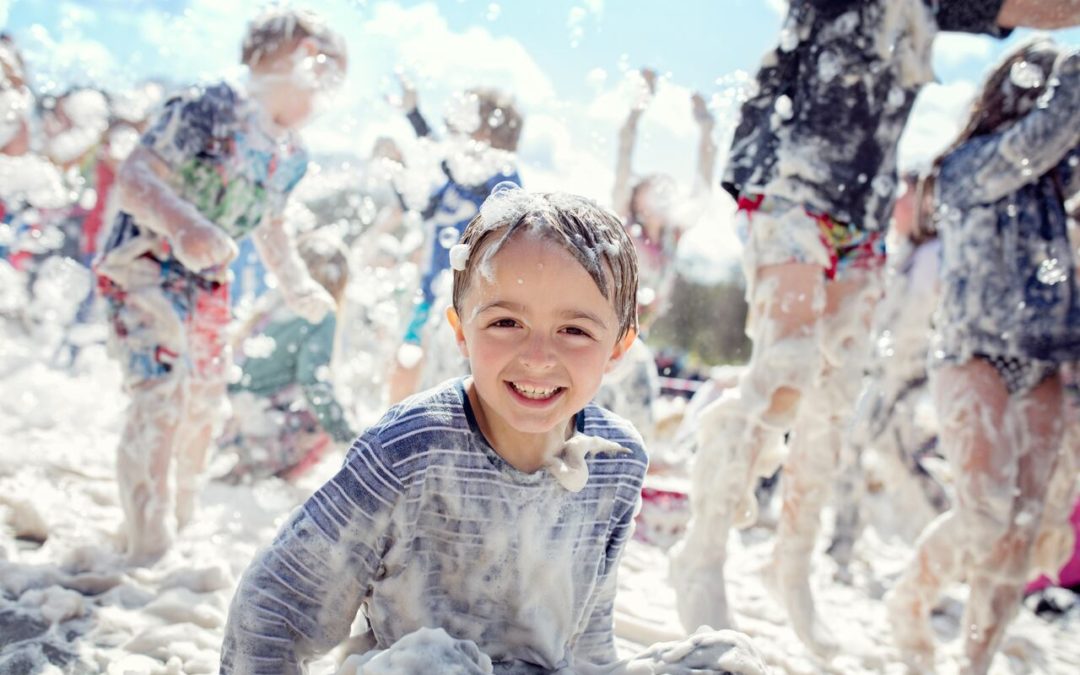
(566, 60)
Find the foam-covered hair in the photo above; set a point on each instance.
(593, 235)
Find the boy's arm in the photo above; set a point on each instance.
(302, 294)
(706, 162)
(312, 372)
(300, 596)
(596, 646)
(145, 193)
(620, 195)
(1042, 14)
(987, 168)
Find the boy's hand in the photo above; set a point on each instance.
(409, 100)
(649, 75)
(201, 245)
(310, 300)
(702, 115)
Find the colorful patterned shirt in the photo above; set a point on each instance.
(224, 161)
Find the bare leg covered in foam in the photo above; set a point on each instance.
(814, 448)
(144, 457)
(740, 434)
(1003, 451)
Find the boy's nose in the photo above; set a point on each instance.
(538, 353)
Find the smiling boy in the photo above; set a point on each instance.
(494, 507)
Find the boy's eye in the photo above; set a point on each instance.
(503, 323)
(574, 330)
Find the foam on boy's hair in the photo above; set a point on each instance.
(593, 235)
(281, 28)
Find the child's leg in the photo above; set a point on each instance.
(1001, 562)
(971, 401)
(814, 449)
(148, 337)
(739, 432)
(207, 404)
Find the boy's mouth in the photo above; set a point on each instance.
(534, 393)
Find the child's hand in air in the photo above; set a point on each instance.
(310, 300)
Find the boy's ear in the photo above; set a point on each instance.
(620, 349)
(459, 332)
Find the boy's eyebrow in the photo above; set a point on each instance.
(502, 304)
(572, 314)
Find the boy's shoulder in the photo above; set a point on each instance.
(603, 423)
(409, 428)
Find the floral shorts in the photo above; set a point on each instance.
(179, 322)
(775, 231)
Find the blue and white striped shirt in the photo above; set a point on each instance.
(426, 526)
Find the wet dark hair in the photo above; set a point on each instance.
(277, 30)
(658, 181)
(594, 236)
(998, 104)
(326, 259)
(494, 104)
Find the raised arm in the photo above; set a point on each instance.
(706, 159)
(302, 294)
(1043, 14)
(300, 596)
(409, 103)
(620, 195)
(596, 646)
(987, 168)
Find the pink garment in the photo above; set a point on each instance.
(1069, 576)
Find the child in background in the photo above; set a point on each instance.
(886, 425)
(216, 165)
(494, 507)
(813, 169)
(486, 126)
(285, 413)
(1007, 322)
(646, 204)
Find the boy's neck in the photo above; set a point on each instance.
(525, 452)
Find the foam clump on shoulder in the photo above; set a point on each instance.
(569, 467)
(427, 650)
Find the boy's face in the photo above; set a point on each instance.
(539, 336)
(290, 83)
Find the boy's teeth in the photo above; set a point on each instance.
(532, 392)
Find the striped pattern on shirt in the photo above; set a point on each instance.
(425, 525)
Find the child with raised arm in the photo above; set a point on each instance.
(494, 507)
(1007, 323)
(485, 127)
(216, 165)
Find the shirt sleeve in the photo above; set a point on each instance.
(300, 595)
(312, 366)
(185, 127)
(597, 644)
(970, 16)
(987, 168)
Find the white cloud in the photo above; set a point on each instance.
(939, 112)
(778, 6)
(566, 143)
(953, 49)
